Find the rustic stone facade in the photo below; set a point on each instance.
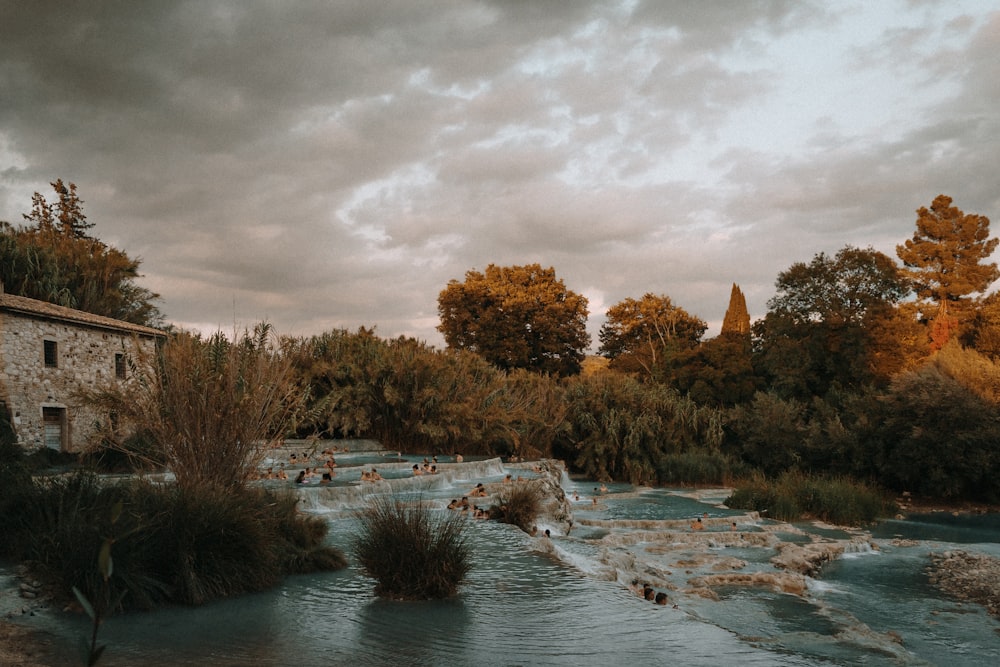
(48, 353)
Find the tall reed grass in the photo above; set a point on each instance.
(208, 408)
(172, 545)
(795, 495)
(698, 466)
(519, 504)
(411, 552)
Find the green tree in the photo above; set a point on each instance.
(818, 331)
(768, 432)
(937, 437)
(645, 335)
(53, 259)
(945, 260)
(516, 317)
(719, 371)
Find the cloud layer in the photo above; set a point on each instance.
(325, 165)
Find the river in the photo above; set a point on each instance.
(566, 600)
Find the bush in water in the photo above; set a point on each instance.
(518, 504)
(411, 553)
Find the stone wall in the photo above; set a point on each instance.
(85, 357)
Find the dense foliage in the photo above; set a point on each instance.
(824, 327)
(169, 544)
(644, 335)
(411, 397)
(209, 408)
(516, 317)
(53, 259)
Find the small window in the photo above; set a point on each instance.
(51, 354)
(119, 365)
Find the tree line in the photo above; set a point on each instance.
(879, 372)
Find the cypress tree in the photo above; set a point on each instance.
(737, 319)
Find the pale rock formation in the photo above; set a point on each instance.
(967, 576)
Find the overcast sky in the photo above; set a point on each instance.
(334, 164)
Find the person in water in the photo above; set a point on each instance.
(661, 599)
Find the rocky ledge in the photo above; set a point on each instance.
(967, 576)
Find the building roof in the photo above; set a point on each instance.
(21, 305)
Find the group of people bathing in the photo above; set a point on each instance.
(309, 472)
(426, 467)
(463, 505)
(647, 592)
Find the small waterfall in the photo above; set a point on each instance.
(859, 546)
(354, 493)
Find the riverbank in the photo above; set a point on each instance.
(908, 504)
(967, 576)
(22, 644)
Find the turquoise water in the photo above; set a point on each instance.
(529, 601)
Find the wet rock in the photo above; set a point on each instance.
(782, 582)
(967, 576)
(806, 558)
(729, 564)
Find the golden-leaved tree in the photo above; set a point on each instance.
(644, 335)
(945, 260)
(516, 317)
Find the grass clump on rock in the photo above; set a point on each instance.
(411, 552)
(518, 504)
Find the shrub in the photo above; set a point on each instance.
(170, 544)
(698, 466)
(205, 407)
(136, 452)
(795, 496)
(410, 553)
(519, 504)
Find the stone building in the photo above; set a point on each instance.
(47, 353)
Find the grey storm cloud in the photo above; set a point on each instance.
(326, 165)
